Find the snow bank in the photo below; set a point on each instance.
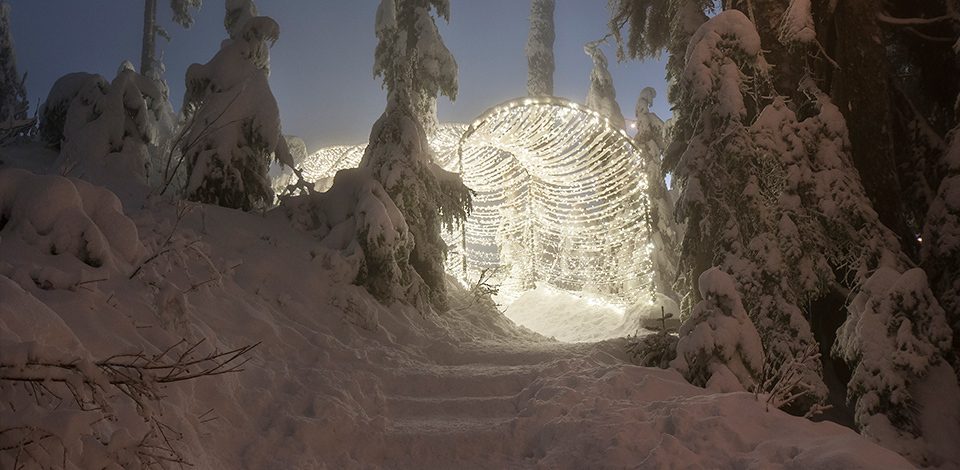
(62, 215)
(465, 389)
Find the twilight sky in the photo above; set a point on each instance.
(322, 66)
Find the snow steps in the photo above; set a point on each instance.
(429, 442)
(467, 381)
(400, 407)
(454, 417)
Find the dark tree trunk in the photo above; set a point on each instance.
(861, 90)
(149, 36)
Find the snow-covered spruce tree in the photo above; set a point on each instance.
(730, 196)
(410, 40)
(650, 139)
(13, 93)
(602, 96)
(826, 236)
(415, 66)
(539, 48)
(895, 333)
(232, 120)
(103, 128)
(940, 254)
(719, 348)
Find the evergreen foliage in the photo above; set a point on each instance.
(719, 348)
(411, 55)
(232, 121)
(13, 93)
(773, 151)
(102, 128)
(415, 66)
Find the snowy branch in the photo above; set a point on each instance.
(48, 376)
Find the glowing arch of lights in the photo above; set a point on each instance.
(561, 198)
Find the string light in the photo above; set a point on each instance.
(561, 199)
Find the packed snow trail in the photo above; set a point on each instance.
(464, 415)
(339, 381)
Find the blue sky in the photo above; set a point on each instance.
(322, 66)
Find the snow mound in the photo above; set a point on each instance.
(64, 215)
(565, 316)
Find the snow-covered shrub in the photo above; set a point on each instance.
(894, 334)
(61, 215)
(232, 121)
(364, 239)
(656, 350)
(719, 348)
(103, 128)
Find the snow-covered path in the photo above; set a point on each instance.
(339, 381)
(465, 415)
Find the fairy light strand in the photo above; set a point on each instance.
(561, 199)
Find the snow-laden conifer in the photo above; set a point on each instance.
(539, 48)
(940, 253)
(103, 128)
(415, 66)
(719, 348)
(665, 233)
(730, 197)
(602, 96)
(13, 93)
(410, 42)
(232, 120)
(151, 29)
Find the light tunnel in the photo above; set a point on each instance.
(561, 199)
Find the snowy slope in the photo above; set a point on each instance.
(337, 380)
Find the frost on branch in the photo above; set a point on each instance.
(233, 122)
(719, 348)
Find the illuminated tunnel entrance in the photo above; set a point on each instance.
(561, 199)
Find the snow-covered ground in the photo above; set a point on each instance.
(335, 380)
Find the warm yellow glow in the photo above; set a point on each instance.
(561, 199)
